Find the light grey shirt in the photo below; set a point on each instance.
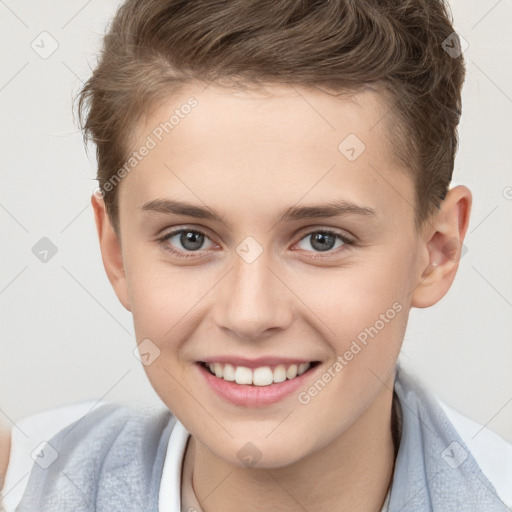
(112, 459)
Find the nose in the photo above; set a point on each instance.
(254, 300)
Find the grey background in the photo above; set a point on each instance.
(64, 335)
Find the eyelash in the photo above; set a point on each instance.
(346, 242)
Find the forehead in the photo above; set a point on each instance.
(275, 114)
(268, 149)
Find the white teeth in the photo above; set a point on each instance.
(302, 368)
(243, 375)
(262, 376)
(229, 372)
(218, 369)
(280, 373)
(291, 372)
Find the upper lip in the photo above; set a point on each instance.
(256, 363)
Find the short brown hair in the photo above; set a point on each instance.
(154, 48)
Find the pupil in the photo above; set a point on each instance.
(325, 241)
(191, 240)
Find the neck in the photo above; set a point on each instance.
(353, 472)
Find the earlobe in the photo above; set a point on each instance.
(111, 250)
(445, 247)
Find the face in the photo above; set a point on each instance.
(298, 245)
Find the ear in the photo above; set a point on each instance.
(443, 248)
(111, 250)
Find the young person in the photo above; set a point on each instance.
(274, 199)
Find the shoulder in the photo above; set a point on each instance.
(110, 420)
(492, 453)
(483, 448)
(98, 453)
(28, 435)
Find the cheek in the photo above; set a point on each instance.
(350, 299)
(160, 295)
(362, 313)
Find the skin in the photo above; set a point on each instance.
(5, 449)
(251, 155)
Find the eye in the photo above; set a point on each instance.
(324, 240)
(191, 240)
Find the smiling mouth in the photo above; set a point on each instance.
(261, 376)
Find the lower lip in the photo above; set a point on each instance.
(249, 395)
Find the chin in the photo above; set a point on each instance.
(254, 451)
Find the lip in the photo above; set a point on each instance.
(246, 395)
(255, 363)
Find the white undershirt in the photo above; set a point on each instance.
(169, 498)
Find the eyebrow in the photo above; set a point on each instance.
(327, 210)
